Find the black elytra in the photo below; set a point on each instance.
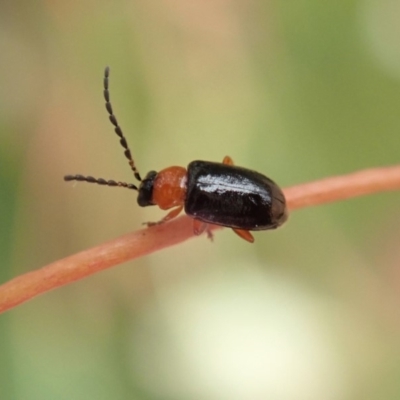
(233, 196)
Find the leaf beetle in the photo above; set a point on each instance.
(209, 192)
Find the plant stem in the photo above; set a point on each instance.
(149, 240)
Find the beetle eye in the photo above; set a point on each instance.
(145, 195)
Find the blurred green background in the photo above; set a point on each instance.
(298, 90)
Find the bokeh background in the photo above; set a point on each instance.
(298, 90)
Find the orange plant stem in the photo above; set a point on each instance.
(343, 187)
(149, 240)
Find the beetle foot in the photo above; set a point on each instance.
(150, 224)
(210, 235)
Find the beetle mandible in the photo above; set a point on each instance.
(209, 192)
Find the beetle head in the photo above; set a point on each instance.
(146, 190)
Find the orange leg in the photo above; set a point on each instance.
(227, 160)
(246, 235)
(210, 235)
(199, 227)
(172, 214)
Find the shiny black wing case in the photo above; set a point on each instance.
(233, 196)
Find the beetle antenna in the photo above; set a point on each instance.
(117, 128)
(99, 181)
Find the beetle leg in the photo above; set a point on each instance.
(172, 214)
(199, 227)
(210, 235)
(227, 160)
(246, 235)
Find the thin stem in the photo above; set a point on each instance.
(343, 187)
(149, 240)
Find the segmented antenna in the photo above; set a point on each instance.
(99, 181)
(117, 128)
(124, 144)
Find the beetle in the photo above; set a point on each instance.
(209, 192)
